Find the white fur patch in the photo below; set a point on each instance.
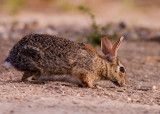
(7, 64)
(29, 79)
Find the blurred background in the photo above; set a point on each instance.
(83, 20)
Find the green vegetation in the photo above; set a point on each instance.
(14, 5)
(128, 3)
(95, 36)
(64, 5)
(85, 9)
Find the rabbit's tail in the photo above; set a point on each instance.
(7, 63)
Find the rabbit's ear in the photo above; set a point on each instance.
(106, 45)
(116, 47)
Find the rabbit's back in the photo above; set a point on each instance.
(50, 54)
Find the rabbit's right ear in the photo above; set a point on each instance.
(116, 46)
(106, 45)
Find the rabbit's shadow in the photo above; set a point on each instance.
(46, 79)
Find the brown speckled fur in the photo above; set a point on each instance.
(40, 54)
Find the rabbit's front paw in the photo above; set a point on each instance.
(88, 81)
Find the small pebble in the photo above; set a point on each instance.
(129, 99)
(125, 88)
(146, 76)
(154, 87)
(99, 87)
(78, 95)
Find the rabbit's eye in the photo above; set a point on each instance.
(122, 69)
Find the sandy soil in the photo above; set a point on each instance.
(141, 94)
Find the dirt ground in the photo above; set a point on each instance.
(141, 94)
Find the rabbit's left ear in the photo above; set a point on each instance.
(116, 47)
(106, 45)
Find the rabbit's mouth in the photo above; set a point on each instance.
(116, 83)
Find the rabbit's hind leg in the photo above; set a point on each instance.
(30, 76)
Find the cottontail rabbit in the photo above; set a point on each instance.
(40, 54)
